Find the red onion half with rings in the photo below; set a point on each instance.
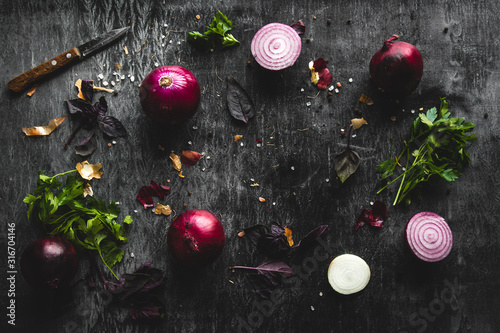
(276, 46)
(429, 236)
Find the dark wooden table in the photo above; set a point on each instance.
(287, 148)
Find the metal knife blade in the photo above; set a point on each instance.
(98, 43)
(25, 80)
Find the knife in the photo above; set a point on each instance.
(23, 81)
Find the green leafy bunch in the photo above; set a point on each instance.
(88, 223)
(217, 30)
(436, 148)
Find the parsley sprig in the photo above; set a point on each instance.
(217, 30)
(88, 223)
(436, 148)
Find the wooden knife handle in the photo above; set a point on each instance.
(25, 80)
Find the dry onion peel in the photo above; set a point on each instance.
(429, 236)
(358, 122)
(348, 274)
(89, 171)
(43, 130)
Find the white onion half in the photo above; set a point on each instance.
(276, 46)
(429, 236)
(348, 274)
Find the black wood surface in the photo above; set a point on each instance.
(287, 148)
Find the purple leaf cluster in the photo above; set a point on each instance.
(93, 115)
(138, 291)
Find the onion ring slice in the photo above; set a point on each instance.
(429, 236)
(276, 46)
(348, 274)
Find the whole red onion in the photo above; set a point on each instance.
(170, 95)
(49, 263)
(397, 67)
(196, 238)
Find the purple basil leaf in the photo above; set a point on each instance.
(101, 107)
(299, 27)
(87, 146)
(312, 236)
(87, 90)
(274, 270)
(79, 106)
(254, 233)
(274, 244)
(277, 230)
(111, 126)
(150, 309)
(239, 102)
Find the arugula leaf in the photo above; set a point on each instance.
(89, 224)
(218, 30)
(436, 148)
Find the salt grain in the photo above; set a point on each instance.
(132, 78)
(321, 293)
(312, 308)
(350, 79)
(308, 104)
(105, 83)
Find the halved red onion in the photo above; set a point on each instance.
(276, 46)
(429, 236)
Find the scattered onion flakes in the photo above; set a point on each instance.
(43, 130)
(87, 190)
(176, 161)
(162, 209)
(78, 84)
(89, 171)
(358, 122)
(190, 157)
(365, 99)
(288, 235)
(32, 90)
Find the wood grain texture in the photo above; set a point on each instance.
(292, 165)
(42, 71)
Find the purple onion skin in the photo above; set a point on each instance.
(397, 67)
(196, 238)
(170, 102)
(49, 263)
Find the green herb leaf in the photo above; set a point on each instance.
(436, 148)
(88, 223)
(216, 32)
